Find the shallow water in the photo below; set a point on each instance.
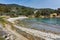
(48, 24)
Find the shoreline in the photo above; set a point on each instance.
(42, 26)
(47, 36)
(13, 19)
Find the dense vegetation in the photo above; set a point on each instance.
(16, 10)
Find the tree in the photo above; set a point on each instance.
(37, 14)
(58, 11)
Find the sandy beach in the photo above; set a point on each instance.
(47, 36)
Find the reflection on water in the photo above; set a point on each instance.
(48, 24)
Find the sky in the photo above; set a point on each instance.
(34, 3)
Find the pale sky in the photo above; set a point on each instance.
(35, 3)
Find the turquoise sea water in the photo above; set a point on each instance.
(48, 24)
(54, 21)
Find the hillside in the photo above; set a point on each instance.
(11, 9)
(16, 10)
